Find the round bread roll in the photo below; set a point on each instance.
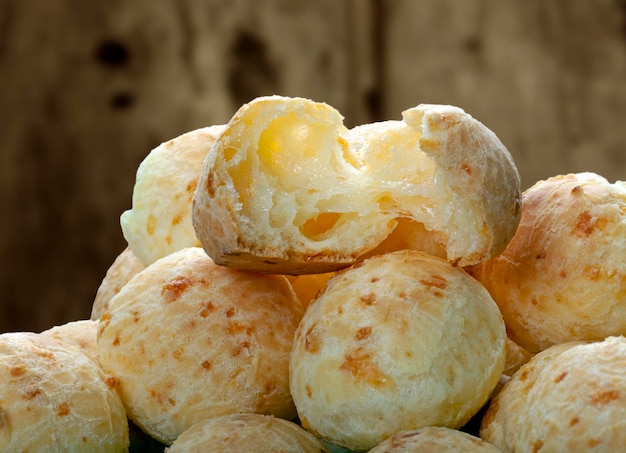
(54, 398)
(246, 432)
(397, 342)
(123, 268)
(570, 397)
(563, 275)
(434, 439)
(81, 334)
(287, 189)
(188, 339)
(159, 221)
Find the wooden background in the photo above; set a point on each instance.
(88, 88)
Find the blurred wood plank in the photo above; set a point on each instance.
(89, 88)
(546, 76)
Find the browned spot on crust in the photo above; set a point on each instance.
(240, 348)
(235, 327)
(577, 190)
(363, 333)
(63, 410)
(210, 187)
(574, 421)
(524, 374)
(207, 365)
(436, 281)
(111, 382)
(308, 391)
(563, 273)
(560, 377)
(593, 443)
(584, 224)
(368, 299)
(18, 370)
(29, 395)
(230, 312)
(206, 309)
(604, 397)
(467, 169)
(537, 445)
(172, 401)
(136, 316)
(361, 366)
(177, 219)
(375, 279)
(178, 353)
(173, 289)
(116, 342)
(312, 340)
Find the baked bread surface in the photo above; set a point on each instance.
(397, 342)
(54, 398)
(188, 339)
(562, 276)
(570, 397)
(288, 189)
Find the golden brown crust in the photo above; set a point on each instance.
(287, 189)
(188, 339)
(562, 276)
(54, 398)
(246, 433)
(397, 342)
(125, 266)
(569, 397)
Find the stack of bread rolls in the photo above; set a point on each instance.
(291, 284)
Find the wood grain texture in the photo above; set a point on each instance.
(89, 88)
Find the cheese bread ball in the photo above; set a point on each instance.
(563, 275)
(246, 433)
(126, 265)
(434, 439)
(188, 339)
(159, 221)
(570, 397)
(53, 398)
(288, 189)
(81, 334)
(397, 342)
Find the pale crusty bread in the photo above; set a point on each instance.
(570, 397)
(188, 339)
(562, 276)
(126, 265)
(434, 439)
(81, 334)
(54, 398)
(287, 189)
(246, 433)
(159, 221)
(397, 342)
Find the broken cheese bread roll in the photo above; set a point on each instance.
(434, 439)
(397, 342)
(288, 189)
(54, 398)
(125, 266)
(246, 433)
(159, 221)
(562, 276)
(569, 397)
(81, 334)
(188, 339)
